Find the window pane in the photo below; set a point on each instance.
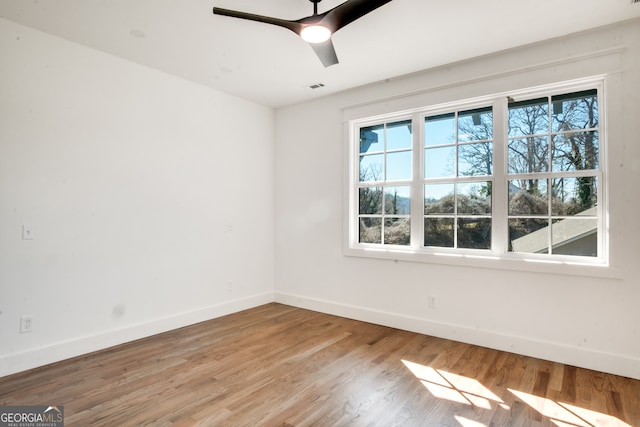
(529, 155)
(575, 151)
(370, 230)
(438, 232)
(439, 130)
(370, 201)
(397, 200)
(397, 231)
(399, 165)
(371, 168)
(577, 110)
(475, 159)
(529, 235)
(439, 162)
(475, 125)
(371, 139)
(529, 117)
(575, 237)
(474, 198)
(574, 196)
(528, 197)
(438, 199)
(474, 233)
(399, 135)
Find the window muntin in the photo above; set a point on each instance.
(547, 145)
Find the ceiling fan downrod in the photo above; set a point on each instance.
(315, 6)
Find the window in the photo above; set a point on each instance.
(515, 176)
(384, 179)
(458, 179)
(553, 175)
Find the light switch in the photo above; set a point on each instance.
(27, 232)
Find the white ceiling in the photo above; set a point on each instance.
(274, 67)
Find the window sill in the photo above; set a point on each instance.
(512, 262)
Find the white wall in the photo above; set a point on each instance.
(146, 195)
(592, 322)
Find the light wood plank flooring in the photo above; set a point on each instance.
(282, 366)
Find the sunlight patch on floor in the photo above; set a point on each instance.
(453, 387)
(565, 415)
(466, 422)
(468, 391)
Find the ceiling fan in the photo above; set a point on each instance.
(317, 28)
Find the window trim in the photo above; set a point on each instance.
(498, 256)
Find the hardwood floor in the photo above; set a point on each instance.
(282, 366)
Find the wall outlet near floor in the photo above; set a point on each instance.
(26, 324)
(432, 301)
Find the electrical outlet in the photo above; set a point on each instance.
(26, 324)
(229, 285)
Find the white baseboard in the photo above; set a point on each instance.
(41, 356)
(571, 355)
(556, 352)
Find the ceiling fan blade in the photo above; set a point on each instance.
(348, 12)
(294, 26)
(325, 52)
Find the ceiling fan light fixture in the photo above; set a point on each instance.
(315, 34)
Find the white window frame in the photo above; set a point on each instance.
(498, 256)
